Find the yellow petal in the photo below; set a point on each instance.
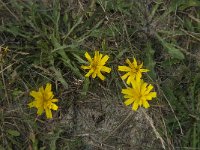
(40, 110)
(48, 113)
(86, 67)
(124, 68)
(137, 84)
(49, 95)
(99, 58)
(129, 101)
(48, 88)
(140, 66)
(144, 70)
(104, 60)
(130, 79)
(54, 100)
(100, 76)
(139, 81)
(140, 103)
(89, 73)
(41, 89)
(135, 106)
(151, 95)
(146, 104)
(149, 88)
(129, 63)
(127, 91)
(36, 95)
(54, 106)
(46, 105)
(143, 88)
(134, 82)
(105, 69)
(128, 96)
(125, 76)
(39, 103)
(94, 74)
(32, 104)
(138, 75)
(96, 55)
(135, 63)
(88, 57)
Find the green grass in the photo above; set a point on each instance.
(47, 41)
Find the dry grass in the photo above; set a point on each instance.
(47, 41)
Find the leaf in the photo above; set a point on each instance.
(79, 21)
(149, 61)
(66, 19)
(182, 4)
(13, 132)
(59, 77)
(86, 84)
(189, 3)
(121, 53)
(103, 45)
(34, 141)
(54, 137)
(174, 5)
(168, 89)
(171, 49)
(154, 9)
(174, 52)
(60, 49)
(79, 59)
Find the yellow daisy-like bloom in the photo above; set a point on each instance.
(44, 100)
(139, 94)
(134, 70)
(96, 65)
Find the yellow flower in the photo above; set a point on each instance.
(96, 65)
(139, 94)
(134, 70)
(44, 100)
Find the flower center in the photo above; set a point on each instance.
(138, 95)
(135, 70)
(45, 100)
(44, 97)
(94, 65)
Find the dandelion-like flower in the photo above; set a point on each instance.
(134, 70)
(44, 100)
(96, 65)
(139, 94)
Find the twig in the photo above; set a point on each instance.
(173, 112)
(9, 11)
(153, 127)
(130, 114)
(3, 69)
(4, 83)
(190, 34)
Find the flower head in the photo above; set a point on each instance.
(139, 94)
(134, 70)
(44, 100)
(96, 65)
